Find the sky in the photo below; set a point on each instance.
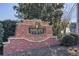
(73, 11)
(7, 12)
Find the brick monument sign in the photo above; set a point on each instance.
(30, 34)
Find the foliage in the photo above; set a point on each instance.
(50, 12)
(9, 28)
(1, 34)
(38, 10)
(56, 27)
(70, 39)
(76, 38)
(64, 25)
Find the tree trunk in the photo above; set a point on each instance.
(64, 31)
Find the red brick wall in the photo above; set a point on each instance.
(18, 45)
(23, 40)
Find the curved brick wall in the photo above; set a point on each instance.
(23, 40)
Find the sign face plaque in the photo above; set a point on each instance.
(36, 31)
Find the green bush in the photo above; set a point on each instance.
(1, 34)
(76, 38)
(70, 39)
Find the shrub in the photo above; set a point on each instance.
(70, 39)
(1, 34)
(76, 38)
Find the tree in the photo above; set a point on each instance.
(9, 28)
(64, 25)
(43, 11)
(50, 12)
(1, 34)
